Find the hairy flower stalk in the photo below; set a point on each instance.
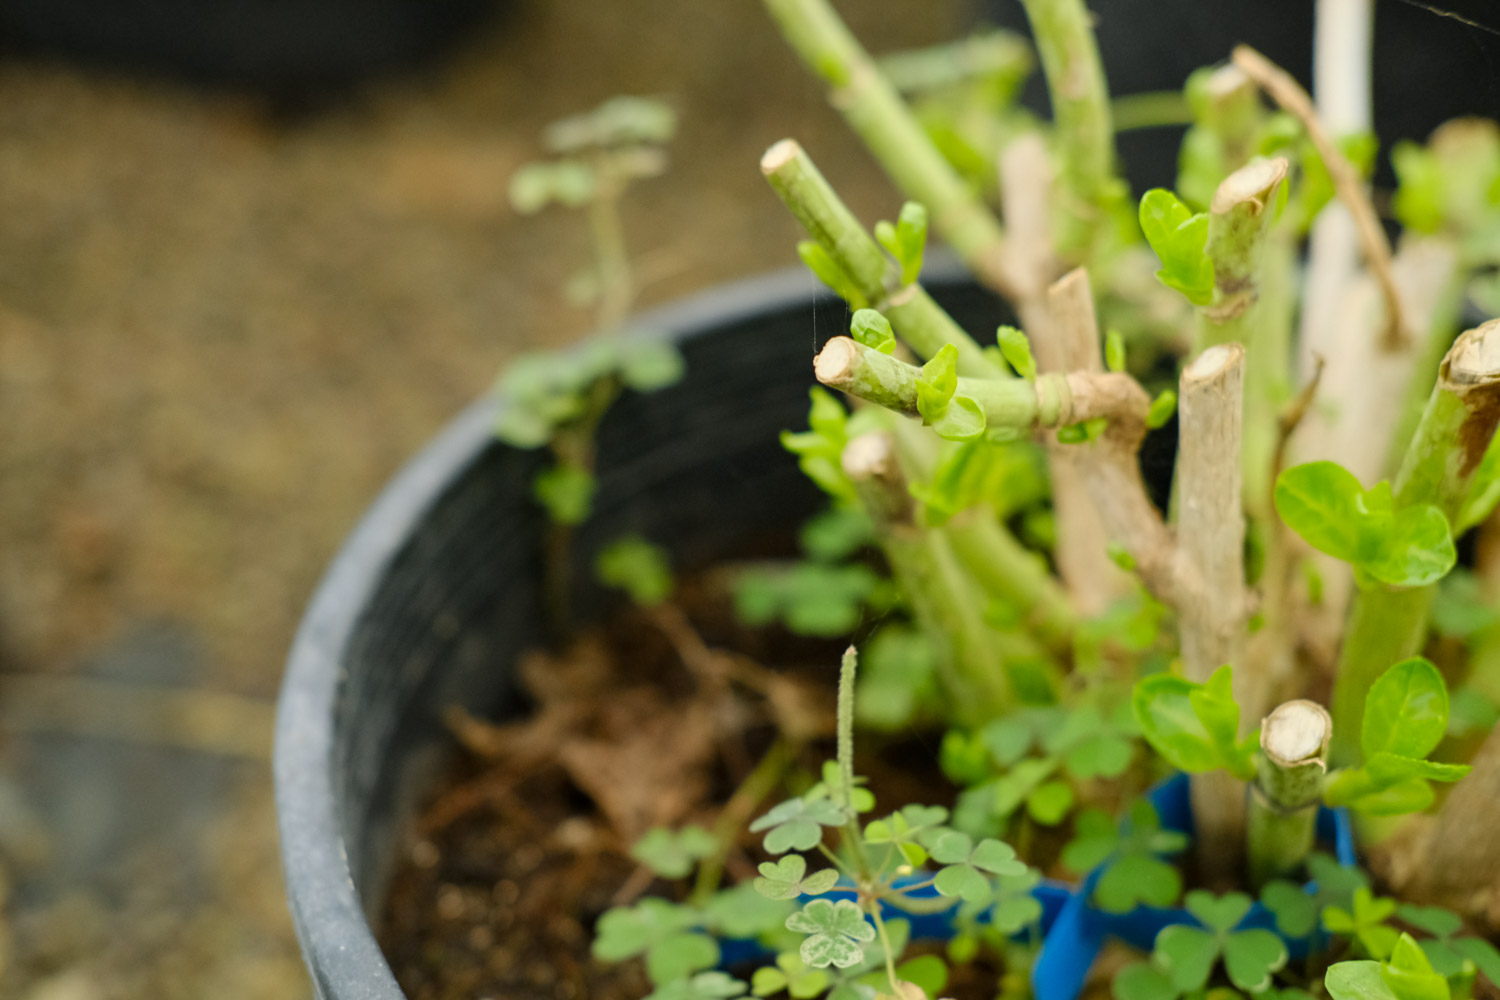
(1288, 788)
(1389, 623)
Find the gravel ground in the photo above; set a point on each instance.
(222, 327)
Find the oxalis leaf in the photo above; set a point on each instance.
(787, 878)
(836, 933)
(797, 824)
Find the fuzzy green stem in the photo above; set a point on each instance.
(919, 320)
(873, 108)
(1390, 623)
(1288, 787)
(1064, 34)
(847, 668)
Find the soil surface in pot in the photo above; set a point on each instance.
(655, 719)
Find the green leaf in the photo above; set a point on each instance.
(1094, 840)
(936, 384)
(836, 933)
(1162, 408)
(1050, 802)
(650, 363)
(1218, 913)
(1416, 549)
(703, 986)
(873, 330)
(797, 824)
(1101, 756)
(1136, 879)
(637, 567)
(1296, 911)
(835, 534)
(1179, 238)
(1192, 725)
(927, 971)
(1017, 351)
(741, 912)
(828, 271)
(1187, 954)
(1410, 975)
(785, 879)
(625, 931)
(964, 882)
(1250, 957)
(1114, 351)
(1144, 981)
(673, 854)
(1388, 768)
(1484, 955)
(681, 955)
(567, 493)
(1320, 501)
(911, 240)
(1357, 981)
(961, 419)
(1406, 710)
(1433, 919)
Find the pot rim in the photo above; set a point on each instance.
(338, 945)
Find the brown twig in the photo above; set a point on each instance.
(1288, 93)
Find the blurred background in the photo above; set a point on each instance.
(252, 255)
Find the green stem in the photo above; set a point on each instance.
(1389, 623)
(1268, 360)
(1150, 109)
(885, 945)
(1051, 401)
(1015, 574)
(1064, 34)
(997, 53)
(919, 320)
(757, 785)
(1289, 785)
(611, 255)
(876, 112)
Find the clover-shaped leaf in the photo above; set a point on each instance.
(1446, 952)
(969, 865)
(787, 878)
(1295, 910)
(703, 986)
(660, 930)
(836, 933)
(1095, 838)
(741, 912)
(1133, 880)
(1218, 913)
(1187, 954)
(791, 974)
(905, 829)
(1252, 956)
(1365, 922)
(797, 824)
(672, 854)
(1145, 981)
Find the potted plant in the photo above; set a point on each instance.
(1180, 624)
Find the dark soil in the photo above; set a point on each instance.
(525, 844)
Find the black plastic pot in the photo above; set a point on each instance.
(437, 592)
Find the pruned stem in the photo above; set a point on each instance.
(1347, 184)
(1064, 35)
(1456, 428)
(1108, 468)
(1211, 540)
(1050, 401)
(1288, 788)
(1211, 523)
(876, 112)
(1239, 221)
(919, 320)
